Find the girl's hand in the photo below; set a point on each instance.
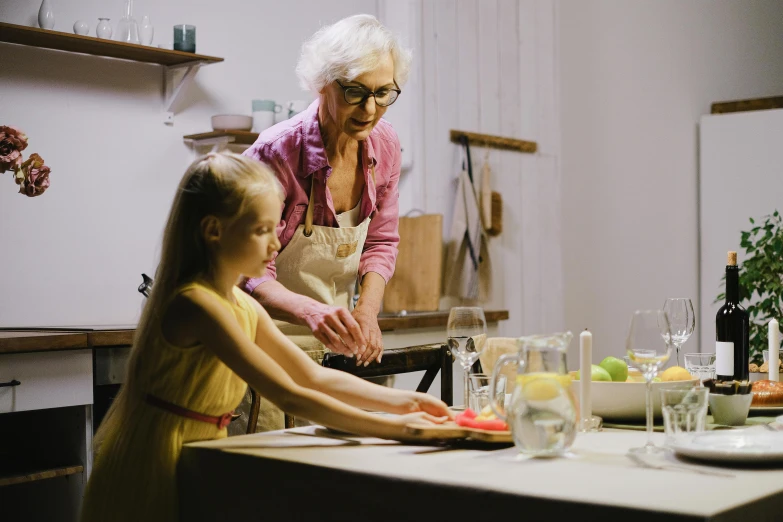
(420, 418)
(424, 402)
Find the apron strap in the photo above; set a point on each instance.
(308, 226)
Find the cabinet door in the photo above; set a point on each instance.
(739, 178)
(46, 380)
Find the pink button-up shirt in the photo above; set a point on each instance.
(295, 151)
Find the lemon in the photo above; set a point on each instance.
(544, 386)
(676, 373)
(564, 380)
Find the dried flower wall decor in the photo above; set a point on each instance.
(32, 175)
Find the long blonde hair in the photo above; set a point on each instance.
(218, 184)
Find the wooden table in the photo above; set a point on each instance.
(275, 476)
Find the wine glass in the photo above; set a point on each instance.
(649, 347)
(467, 334)
(681, 319)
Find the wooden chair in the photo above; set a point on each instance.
(431, 359)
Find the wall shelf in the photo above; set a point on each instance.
(220, 138)
(74, 43)
(32, 36)
(42, 474)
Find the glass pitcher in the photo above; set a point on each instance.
(542, 413)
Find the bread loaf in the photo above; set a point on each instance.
(767, 393)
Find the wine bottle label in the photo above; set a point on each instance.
(724, 358)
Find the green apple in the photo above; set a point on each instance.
(597, 374)
(616, 368)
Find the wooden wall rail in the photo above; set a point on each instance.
(496, 142)
(756, 104)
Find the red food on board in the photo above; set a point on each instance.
(467, 419)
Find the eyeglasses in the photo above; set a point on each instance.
(355, 95)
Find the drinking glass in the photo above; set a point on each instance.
(684, 412)
(649, 347)
(681, 319)
(467, 334)
(185, 38)
(702, 365)
(481, 395)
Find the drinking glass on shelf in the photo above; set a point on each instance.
(681, 319)
(649, 347)
(700, 365)
(467, 335)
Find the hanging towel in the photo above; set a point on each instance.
(467, 268)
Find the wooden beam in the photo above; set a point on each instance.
(495, 142)
(756, 104)
(33, 476)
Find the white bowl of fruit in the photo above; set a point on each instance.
(618, 394)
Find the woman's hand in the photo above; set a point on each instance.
(368, 322)
(336, 328)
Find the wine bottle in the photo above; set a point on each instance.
(732, 346)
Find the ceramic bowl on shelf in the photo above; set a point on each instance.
(232, 122)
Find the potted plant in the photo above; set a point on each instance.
(761, 279)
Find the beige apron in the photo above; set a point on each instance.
(321, 263)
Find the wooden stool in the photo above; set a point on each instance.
(431, 358)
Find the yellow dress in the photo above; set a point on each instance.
(134, 473)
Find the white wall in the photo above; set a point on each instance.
(80, 248)
(485, 66)
(489, 67)
(636, 76)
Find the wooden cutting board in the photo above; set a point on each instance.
(416, 284)
(452, 431)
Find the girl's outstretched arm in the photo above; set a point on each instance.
(340, 385)
(211, 323)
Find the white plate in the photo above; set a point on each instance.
(733, 446)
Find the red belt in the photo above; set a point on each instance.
(221, 421)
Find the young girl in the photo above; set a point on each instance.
(201, 340)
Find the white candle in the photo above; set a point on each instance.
(585, 377)
(774, 347)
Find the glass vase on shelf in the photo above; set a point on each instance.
(127, 27)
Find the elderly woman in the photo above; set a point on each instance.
(339, 164)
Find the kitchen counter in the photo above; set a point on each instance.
(352, 478)
(31, 340)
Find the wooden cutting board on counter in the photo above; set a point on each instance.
(416, 284)
(452, 431)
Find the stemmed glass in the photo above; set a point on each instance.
(467, 335)
(682, 321)
(649, 347)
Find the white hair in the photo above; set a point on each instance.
(347, 49)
